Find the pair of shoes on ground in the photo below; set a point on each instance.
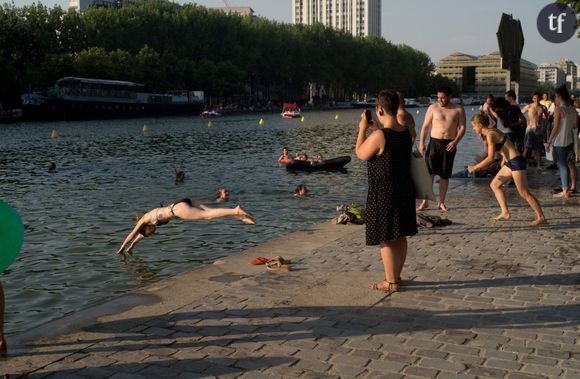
(277, 263)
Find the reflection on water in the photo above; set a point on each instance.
(107, 171)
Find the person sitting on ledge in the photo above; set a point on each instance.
(184, 209)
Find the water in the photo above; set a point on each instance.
(107, 171)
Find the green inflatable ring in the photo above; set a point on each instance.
(11, 235)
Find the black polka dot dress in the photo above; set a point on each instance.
(390, 210)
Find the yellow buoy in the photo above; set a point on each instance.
(418, 111)
(54, 134)
(261, 122)
(209, 124)
(336, 117)
(302, 119)
(145, 128)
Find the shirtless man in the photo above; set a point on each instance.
(534, 131)
(448, 127)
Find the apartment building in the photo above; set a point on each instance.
(358, 17)
(482, 75)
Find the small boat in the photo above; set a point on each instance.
(291, 110)
(210, 111)
(74, 98)
(368, 103)
(11, 115)
(327, 164)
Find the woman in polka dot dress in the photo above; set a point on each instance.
(390, 210)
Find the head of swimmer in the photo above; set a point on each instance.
(147, 229)
(300, 190)
(222, 195)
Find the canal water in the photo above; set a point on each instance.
(107, 171)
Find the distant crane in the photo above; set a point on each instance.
(227, 3)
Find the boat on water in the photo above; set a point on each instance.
(291, 110)
(324, 165)
(368, 103)
(74, 98)
(210, 112)
(10, 115)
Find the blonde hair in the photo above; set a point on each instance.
(480, 118)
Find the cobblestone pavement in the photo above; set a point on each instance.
(480, 300)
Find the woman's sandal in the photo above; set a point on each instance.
(386, 286)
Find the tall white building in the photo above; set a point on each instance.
(83, 5)
(570, 70)
(358, 17)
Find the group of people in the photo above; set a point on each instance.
(390, 211)
(286, 157)
(551, 127)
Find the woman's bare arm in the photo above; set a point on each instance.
(488, 158)
(132, 234)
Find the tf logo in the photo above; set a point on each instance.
(557, 23)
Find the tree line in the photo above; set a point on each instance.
(164, 46)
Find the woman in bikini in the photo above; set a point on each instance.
(184, 209)
(513, 165)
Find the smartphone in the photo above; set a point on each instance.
(369, 116)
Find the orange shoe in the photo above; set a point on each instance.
(259, 261)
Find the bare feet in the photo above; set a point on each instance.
(245, 216)
(502, 217)
(424, 205)
(443, 207)
(538, 221)
(565, 194)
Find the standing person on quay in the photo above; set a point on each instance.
(517, 122)
(562, 138)
(405, 118)
(576, 103)
(390, 210)
(487, 109)
(448, 127)
(513, 166)
(533, 139)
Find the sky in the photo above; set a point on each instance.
(438, 28)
